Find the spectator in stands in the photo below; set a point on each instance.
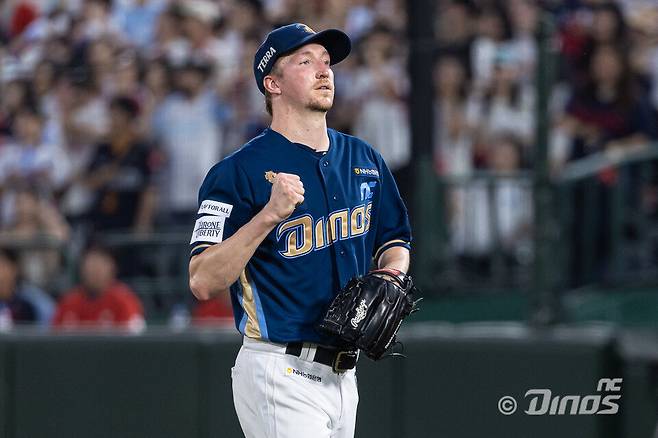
(137, 19)
(169, 42)
(101, 300)
(41, 232)
(119, 174)
(157, 86)
(379, 90)
(240, 21)
(608, 112)
(215, 312)
(494, 33)
(20, 302)
(506, 104)
(644, 51)
(454, 111)
(198, 20)
(15, 94)
(100, 57)
(609, 25)
(494, 215)
(360, 17)
(45, 80)
(85, 120)
(586, 29)
(187, 128)
(455, 29)
(96, 20)
(27, 161)
(524, 16)
(126, 78)
(246, 115)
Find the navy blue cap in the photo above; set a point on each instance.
(286, 39)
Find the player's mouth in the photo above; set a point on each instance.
(324, 87)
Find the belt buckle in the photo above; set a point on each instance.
(342, 356)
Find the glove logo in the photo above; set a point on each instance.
(360, 314)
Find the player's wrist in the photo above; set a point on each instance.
(268, 217)
(389, 271)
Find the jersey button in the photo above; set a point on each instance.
(342, 252)
(325, 164)
(335, 198)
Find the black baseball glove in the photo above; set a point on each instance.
(368, 312)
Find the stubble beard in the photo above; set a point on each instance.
(320, 105)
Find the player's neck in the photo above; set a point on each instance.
(309, 129)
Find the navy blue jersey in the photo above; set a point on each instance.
(352, 212)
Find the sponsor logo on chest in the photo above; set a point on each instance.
(364, 171)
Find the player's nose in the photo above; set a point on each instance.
(322, 72)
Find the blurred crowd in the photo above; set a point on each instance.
(604, 101)
(112, 111)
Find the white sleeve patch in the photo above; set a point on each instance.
(208, 229)
(215, 208)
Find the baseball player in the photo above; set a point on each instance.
(283, 224)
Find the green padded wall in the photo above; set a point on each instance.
(178, 385)
(106, 387)
(452, 384)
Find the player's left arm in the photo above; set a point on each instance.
(393, 231)
(396, 257)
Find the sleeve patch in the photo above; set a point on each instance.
(208, 229)
(215, 208)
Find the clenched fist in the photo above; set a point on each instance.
(287, 193)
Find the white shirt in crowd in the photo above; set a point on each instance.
(190, 135)
(484, 217)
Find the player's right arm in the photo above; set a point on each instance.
(215, 269)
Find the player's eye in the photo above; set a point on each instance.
(305, 61)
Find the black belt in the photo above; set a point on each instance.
(339, 360)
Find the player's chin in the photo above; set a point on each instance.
(321, 105)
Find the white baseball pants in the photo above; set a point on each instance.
(277, 395)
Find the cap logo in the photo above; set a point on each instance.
(265, 59)
(306, 29)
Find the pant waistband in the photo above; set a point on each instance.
(339, 360)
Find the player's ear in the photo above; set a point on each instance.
(271, 84)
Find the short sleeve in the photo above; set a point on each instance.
(225, 205)
(392, 227)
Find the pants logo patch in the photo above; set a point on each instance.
(295, 372)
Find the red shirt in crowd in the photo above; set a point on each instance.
(213, 312)
(117, 306)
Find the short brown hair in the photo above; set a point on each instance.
(276, 71)
(268, 102)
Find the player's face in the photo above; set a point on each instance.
(307, 78)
